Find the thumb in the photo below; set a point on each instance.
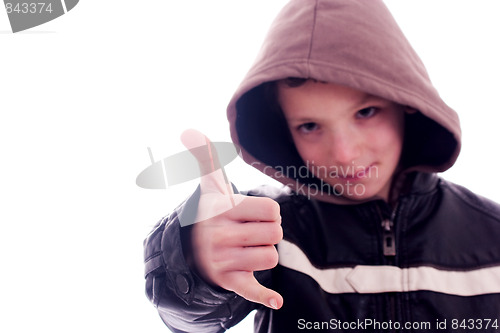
(246, 285)
(213, 177)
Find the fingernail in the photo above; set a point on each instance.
(273, 303)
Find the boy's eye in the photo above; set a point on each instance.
(367, 112)
(307, 127)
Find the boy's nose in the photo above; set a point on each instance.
(344, 147)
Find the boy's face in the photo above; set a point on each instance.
(349, 139)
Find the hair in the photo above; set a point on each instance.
(271, 91)
(294, 82)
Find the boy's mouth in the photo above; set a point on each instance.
(355, 174)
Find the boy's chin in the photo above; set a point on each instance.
(363, 198)
(361, 192)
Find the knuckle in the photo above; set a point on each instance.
(271, 208)
(218, 238)
(216, 269)
(219, 264)
(205, 238)
(276, 234)
(271, 259)
(214, 239)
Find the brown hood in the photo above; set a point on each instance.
(355, 43)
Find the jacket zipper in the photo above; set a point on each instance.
(389, 236)
(389, 251)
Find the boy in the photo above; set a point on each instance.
(368, 237)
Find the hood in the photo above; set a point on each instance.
(355, 43)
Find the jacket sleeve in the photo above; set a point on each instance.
(185, 302)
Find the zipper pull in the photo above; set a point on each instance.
(389, 238)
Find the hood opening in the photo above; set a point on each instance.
(263, 133)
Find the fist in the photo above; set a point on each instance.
(234, 235)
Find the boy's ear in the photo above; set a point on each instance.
(410, 110)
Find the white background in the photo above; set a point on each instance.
(83, 96)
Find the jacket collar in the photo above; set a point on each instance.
(418, 183)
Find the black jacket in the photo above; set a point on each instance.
(444, 270)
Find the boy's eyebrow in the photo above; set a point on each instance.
(356, 105)
(302, 119)
(364, 100)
